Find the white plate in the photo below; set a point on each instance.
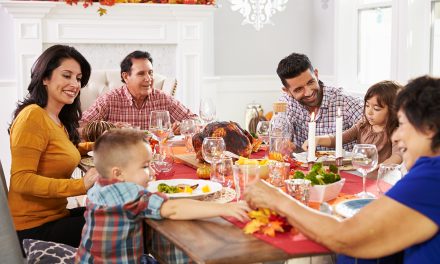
(302, 157)
(196, 194)
(90, 153)
(351, 207)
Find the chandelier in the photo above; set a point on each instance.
(258, 12)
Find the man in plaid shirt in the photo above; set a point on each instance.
(119, 201)
(133, 102)
(305, 94)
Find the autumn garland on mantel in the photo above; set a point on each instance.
(103, 11)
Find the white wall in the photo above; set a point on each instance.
(245, 59)
(8, 92)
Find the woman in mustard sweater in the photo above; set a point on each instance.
(44, 139)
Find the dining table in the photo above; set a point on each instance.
(218, 240)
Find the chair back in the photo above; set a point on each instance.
(10, 251)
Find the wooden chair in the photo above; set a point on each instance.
(10, 251)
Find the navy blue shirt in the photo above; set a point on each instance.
(420, 191)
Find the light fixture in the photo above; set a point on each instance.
(258, 12)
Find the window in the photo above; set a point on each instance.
(435, 39)
(374, 44)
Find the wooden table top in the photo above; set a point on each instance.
(216, 241)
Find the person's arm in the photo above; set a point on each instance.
(28, 142)
(324, 141)
(186, 209)
(381, 228)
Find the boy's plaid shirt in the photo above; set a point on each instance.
(114, 215)
(297, 117)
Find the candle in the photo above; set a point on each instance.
(311, 138)
(338, 151)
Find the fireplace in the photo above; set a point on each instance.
(179, 37)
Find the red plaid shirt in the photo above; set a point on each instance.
(118, 105)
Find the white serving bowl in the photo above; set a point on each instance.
(324, 193)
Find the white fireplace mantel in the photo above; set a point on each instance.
(188, 27)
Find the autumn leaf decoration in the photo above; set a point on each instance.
(266, 222)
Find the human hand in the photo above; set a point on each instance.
(305, 145)
(176, 128)
(90, 178)
(261, 194)
(122, 125)
(237, 210)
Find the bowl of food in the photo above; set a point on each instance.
(262, 166)
(326, 182)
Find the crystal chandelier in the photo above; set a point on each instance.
(258, 12)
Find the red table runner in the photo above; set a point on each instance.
(288, 242)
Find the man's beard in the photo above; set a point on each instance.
(317, 101)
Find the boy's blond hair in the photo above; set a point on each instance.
(113, 149)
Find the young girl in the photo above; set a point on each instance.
(377, 125)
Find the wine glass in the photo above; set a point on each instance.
(364, 160)
(207, 110)
(263, 131)
(160, 125)
(212, 147)
(387, 176)
(221, 172)
(188, 128)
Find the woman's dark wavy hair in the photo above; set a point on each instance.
(386, 93)
(420, 101)
(49, 60)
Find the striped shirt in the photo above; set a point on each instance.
(118, 105)
(296, 119)
(114, 214)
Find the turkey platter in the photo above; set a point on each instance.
(237, 140)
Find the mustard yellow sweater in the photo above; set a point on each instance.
(43, 159)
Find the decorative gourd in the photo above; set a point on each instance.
(94, 129)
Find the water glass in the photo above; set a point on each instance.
(299, 189)
(279, 147)
(212, 147)
(387, 176)
(244, 174)
(188, 128)
(163, 158)
(364, 160)
(278, 173)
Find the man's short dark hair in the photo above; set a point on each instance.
(292, 66)
(127, 62)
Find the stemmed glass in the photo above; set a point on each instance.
(188, 128)
(212, 147)
(263, 132)
(207, 110)
(160, 125)
(387, 176)
(221, 172)
(364, 160)
(162, 160)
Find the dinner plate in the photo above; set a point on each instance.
(322, 156)
(196, 194)
(351, 207)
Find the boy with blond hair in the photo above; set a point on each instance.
(119, 201)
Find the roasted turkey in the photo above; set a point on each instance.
(237, 140)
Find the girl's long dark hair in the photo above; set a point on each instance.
(49, 60)
(386, 93)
